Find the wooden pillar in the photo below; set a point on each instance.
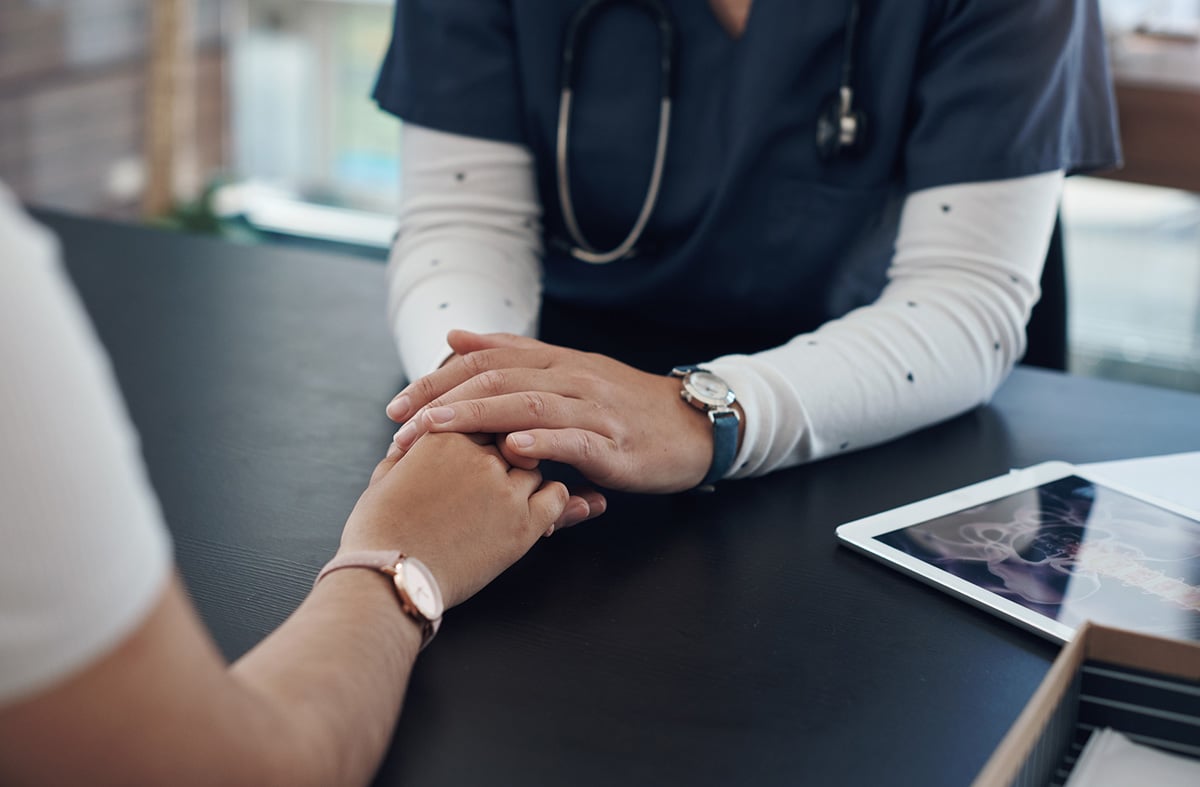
(162, 95)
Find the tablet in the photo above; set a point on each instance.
(1047, 548)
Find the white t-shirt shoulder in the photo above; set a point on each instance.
(83, 551)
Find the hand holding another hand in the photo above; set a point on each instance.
(622, 428)
(458, 507)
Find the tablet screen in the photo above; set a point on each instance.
(1072, 550)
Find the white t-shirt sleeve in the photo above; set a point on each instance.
(468, 252)
(83, 551)
(942, 336)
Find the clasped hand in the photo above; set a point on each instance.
(459, 507)
(620, 427)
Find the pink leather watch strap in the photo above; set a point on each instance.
(377, 559)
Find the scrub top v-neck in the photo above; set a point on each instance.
(751, 223)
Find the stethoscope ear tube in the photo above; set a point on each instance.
(581, 22)
(568, 76)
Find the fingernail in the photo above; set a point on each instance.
(575, 513)
(549, 531)
(399, 406)
(521, 439)
(440, 415)
(393, 449)
(405, 435)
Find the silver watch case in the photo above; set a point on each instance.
(706, 391)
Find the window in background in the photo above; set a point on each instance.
(364, 140)
(1133, 251)
(1179, 16)
(1133, 272)
(274, 79)
(314, 156)
(73, 90)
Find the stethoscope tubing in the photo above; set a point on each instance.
(582, 249)
(844, 123)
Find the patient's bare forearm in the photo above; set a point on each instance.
(335, 675)
(314, 703)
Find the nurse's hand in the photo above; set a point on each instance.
(620, 427)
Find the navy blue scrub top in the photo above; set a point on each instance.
(753, 231)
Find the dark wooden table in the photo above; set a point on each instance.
(722, 639)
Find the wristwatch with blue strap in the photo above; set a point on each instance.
(710, 394)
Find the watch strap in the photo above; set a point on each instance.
(385, 562)
(378, 559)
(725, 440)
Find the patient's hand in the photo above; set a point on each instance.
(457, 506)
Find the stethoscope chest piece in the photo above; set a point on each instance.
(842, 129)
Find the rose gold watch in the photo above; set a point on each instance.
(417, 588)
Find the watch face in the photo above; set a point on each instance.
(709, 389)
(421, 588)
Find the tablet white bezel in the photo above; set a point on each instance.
(860, 535)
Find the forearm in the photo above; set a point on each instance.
(315, 703)
(468, 253)
(940, 339)
(332, 679)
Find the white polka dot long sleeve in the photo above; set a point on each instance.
(468, 253)
(942, 336)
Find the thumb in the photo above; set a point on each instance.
(513, 458)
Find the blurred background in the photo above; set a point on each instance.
(252, 119)
(190, 111)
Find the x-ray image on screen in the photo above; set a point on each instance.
(1073, 550)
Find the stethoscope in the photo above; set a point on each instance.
(840, 127)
